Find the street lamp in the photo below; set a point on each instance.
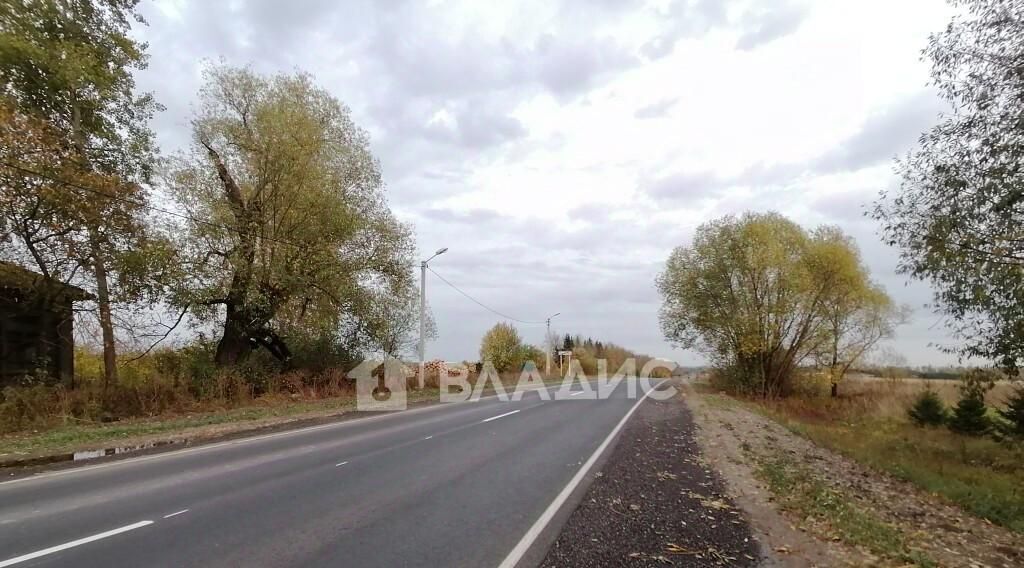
(423, 313)
(547, 364)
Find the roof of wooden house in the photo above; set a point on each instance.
(14, 277)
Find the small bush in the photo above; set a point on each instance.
(928, 409)
(531, 353)
(1013, 414)
(970, 415)
(502, 347)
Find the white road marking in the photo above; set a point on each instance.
(499, 416)
(577, 392)
(181, 512)
(428, 437)
(72, 544)
(531, 535)
(207, 447)
(340, 464)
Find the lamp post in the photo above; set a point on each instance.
(547, 363)
(423, 314)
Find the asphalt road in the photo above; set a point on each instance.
(446, 485)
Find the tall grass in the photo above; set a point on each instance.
(869, 424)
(165, 383)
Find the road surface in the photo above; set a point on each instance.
(445, 485)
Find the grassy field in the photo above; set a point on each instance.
(868, 423)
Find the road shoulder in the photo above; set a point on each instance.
(654, 503)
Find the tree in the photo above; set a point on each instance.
(289, 227)
(970, 415)
(928, 409)
(534, 355)
(858, 313)
(1014, 412)
(957, 214)
(69, 64)
(502, 347)
(754, 293)
(391, 325)
(36, 216)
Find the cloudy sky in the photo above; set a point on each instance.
(562, 148)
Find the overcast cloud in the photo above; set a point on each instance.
(561, 148)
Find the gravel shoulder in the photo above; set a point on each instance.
(655, 503)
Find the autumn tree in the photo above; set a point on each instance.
(754, 293)
(289, 227)
(37, 219)
(502, 347)
(391, 324)
(858, 313)
(68, 64)
(958, 211)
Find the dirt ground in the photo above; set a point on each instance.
(733, 439)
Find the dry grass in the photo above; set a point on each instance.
(290, 396)
(868, 423)
(869, 397)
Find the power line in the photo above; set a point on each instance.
(482, 305)
(187, 217)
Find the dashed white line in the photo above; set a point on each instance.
(72, 544)
(499, 416)
(181, 512)
(340, 464)
(428, 437)
(230, 443)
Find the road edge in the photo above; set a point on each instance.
(526, 547)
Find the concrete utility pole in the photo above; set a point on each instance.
(549, 346)
(423, 315)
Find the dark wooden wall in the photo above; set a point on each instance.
(34, 338)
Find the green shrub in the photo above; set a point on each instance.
(970, 415)
(1013, 414)
(318, 353)
(191, 365)
(502, 347)
(534, 354)
(928, 409)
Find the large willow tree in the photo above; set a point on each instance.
(762, 296)
(290, 232)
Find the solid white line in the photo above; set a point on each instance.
(499, 416)
(531, 535)
(72, 544)
(181, 512)
(340, 464)
(576, 393)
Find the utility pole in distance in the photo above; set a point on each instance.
(548, 347)
(423, 315)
